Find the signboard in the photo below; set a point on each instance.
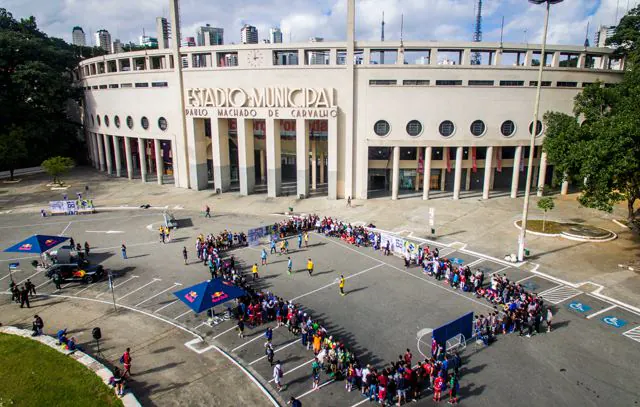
(254, 235)
(70, 207)
(398, 245)
(432, 217)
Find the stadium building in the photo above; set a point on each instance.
(349, 118)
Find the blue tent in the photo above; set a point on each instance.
(36, 244)
(208, 294)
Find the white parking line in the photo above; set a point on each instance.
(319, 387)
(335, 282)
(441, 254)
(45, 283)
(502, 269)
(295, 368)
(368, 399)
(222, 333)
(183, 314)
(65, 229)
(248, 342)
(602, 311)
(161, 292)
(165, 306)
(473, 263)
(525, 279)
(115, 286)
(34, 274)
(293, 342)
(140, 288)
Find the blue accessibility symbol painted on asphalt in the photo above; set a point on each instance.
(614, 321)
(579, 307)
(456, 260)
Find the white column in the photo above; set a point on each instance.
(107, 153)
(197, 153)
(314, 164)
(274, 176)
(116, 153)
(220, 153)
(321, 159)
(458, 174)
(467, 180)
(94, 150)
(100, 151)
(246, 161)
(159, 163)
(128, 157)
(488, 170)
(542, 173)
(443, 178)
(302, 157)
(516, 172)
(564, 188)
(332, 164)
(263, 166)
(142, 155)
(395, 174)
(426, 182)
(174, 167)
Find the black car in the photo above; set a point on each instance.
(82, 272)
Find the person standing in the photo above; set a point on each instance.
(294, 402)
(167, 232)
(123, 249)
(289, 265)
(438, 385)
(315, 374)
(57, 280)
(30, 286)
(126, 360)
(24, 297)
(277, 375)
(454, 386)
(241, 327)
(161, 234)
(349, 201)
(263, 256)
(269, 352)
(300, 240)
(184, 254)
(310, 267)
(86, 249)
(306, 239)
(341, 285)
(254, 271)
(207, 211)
(273, 246)
(38, 324)
(549, 319)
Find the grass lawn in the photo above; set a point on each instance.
(549, 226)
(33, 374)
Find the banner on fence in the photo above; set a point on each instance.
(254, 235)
(70, 207)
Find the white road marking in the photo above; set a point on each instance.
(45, 283)
(450, 251)
(336, 282)
(115, 286)
(108, 232)
(34, 274)
(295, 368)
(633, 334)
(165, 306)
(140, 288)
(281, 347)
(525, 279)
(183, 314)
(261, 336)
(362, 402)
(77, 221)
(161, 292)
(10, 274)
(65, 229)
(319, 387)
(498, 271)
(602, 311)
(222, 333)
(473, 263)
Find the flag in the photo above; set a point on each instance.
(499, 159)
(474, 164)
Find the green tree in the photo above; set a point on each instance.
(56, 166)
(626, 38)
(545, 204)
(13, 149)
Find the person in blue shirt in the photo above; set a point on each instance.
(263, 256)
(269, 334)
(299, 240)
(273, 246)
(289, 265)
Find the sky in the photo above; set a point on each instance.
(299, 20)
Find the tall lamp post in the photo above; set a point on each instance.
(534, 127)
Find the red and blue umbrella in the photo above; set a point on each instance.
(208, 294)
(36, 244)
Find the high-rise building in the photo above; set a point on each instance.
(275, 35)
(188, 42)
(103, 40)
(208, 35)
(149, 42)
(163, 31)
(249, 34)
(77, 37)
(116, 47)
(604, 32)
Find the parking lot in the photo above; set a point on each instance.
(591, 358)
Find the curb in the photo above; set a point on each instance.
(129, 400)
(569, 236)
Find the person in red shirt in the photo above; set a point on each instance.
(438, 385)
(407, 358)
(126, 360)
(382, 395)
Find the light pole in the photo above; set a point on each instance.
(534, 127)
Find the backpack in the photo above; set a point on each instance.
(122, 359)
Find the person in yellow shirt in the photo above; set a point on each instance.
(306, 239)
(254, 271)
(309, 267)
(341, 285)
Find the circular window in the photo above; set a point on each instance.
(144, 122)
(162, 123)
(129, 122)
(116, 121)
(98, 119)
(106, 120)
(447, 128)
(93, 121)
(478, 128)
(508, 128)
(381, 128)
(538, 128)
(414, 128)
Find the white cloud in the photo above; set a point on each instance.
(423, 19)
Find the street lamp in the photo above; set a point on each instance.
(534, 127)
